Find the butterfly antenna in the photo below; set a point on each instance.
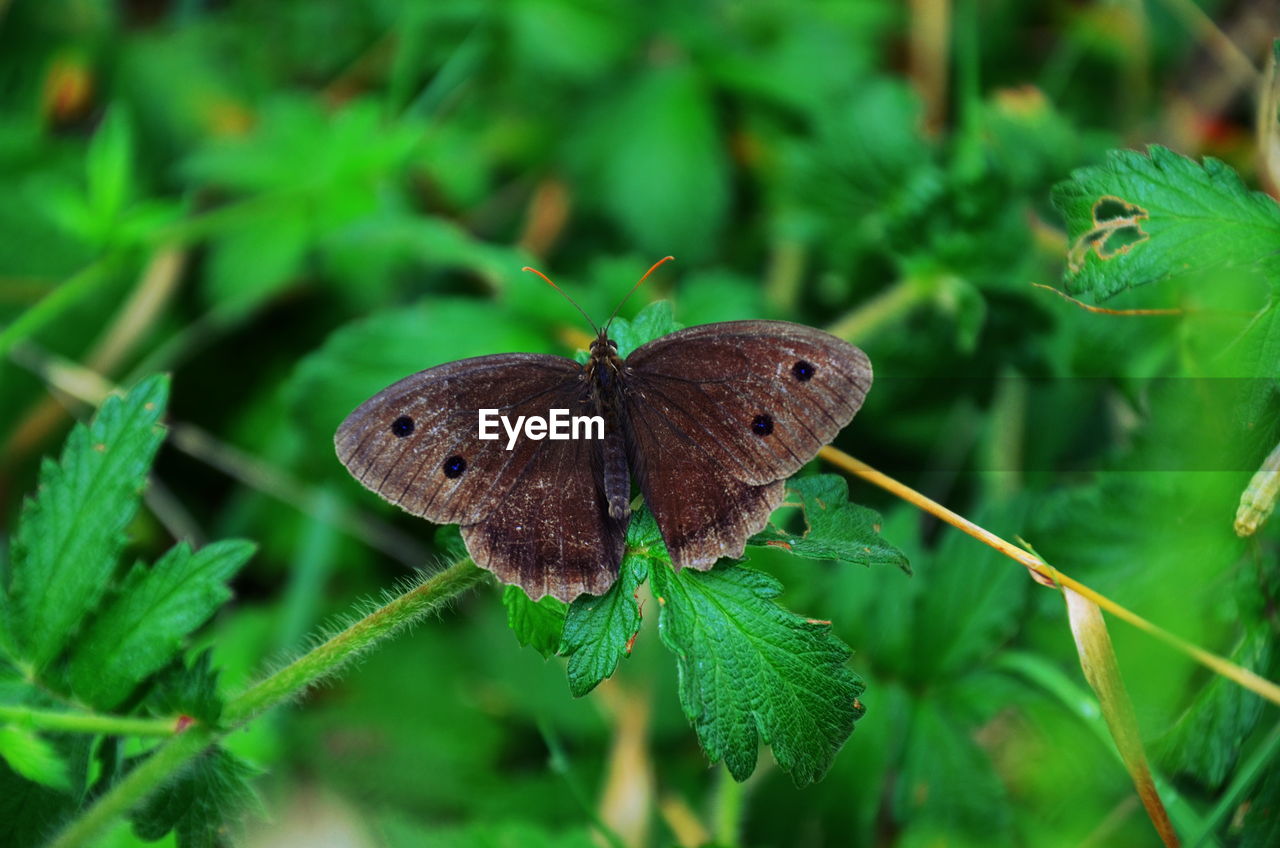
(566, 297)
(653, 268)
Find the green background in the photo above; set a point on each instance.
(288, 205)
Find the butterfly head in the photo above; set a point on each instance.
(603, 346)
(605, 366)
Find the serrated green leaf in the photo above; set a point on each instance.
(298, 146)
(837, 529)
(965, 613)
(1138, 219)
(31, 812)
(33, 757)
(1207, 740)
(188, 689)
(537, 624)
(598, 630)
(752, 671)
(201, 805)
(143, 627)
(652, 322)
(71, 533)
(948, 791)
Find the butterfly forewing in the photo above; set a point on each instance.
(719, 415)
(534, 515)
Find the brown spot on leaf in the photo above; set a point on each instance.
(1117, 227)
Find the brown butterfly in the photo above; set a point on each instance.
(709, 421)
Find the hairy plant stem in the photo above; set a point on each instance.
(333, 653)
(167, 760)
(289, 682)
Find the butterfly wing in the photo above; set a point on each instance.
(535, 515)
(719, 415)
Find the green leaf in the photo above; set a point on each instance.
(143, 627)
(948, 792)
(71, 533)
(1137, 220)
(251, 264)
(188, 689)
(1260, 826)
(652, 322)
(537, 624)
(1207, 740)
(32, 811)
(598, 630)
(33, 757)
(200, 804)
(752, 671)
(836, 528)
(367, 355)
(658, 164)
(299, 147)
(108, 165)
(382, 245)
(972, 601)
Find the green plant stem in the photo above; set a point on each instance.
(53, 304)
(289, 682)
(786, 270)
(159, 767)
(63, 721)
(968, 162)
(558, 762)
(884, 308)
(730, 806)
(335, 652)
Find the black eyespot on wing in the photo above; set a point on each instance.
(454, 466)
(762, 425)
(402, 426)
(803, 371)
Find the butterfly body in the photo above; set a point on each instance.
(708, 421)
(604, 371)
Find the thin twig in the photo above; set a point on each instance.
(1243, 676)
(1099, 310)
(1230, 56)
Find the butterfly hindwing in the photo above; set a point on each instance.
(533, 515)
(719, 415)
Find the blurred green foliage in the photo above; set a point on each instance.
(288, 205)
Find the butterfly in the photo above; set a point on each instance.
(708, 422)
